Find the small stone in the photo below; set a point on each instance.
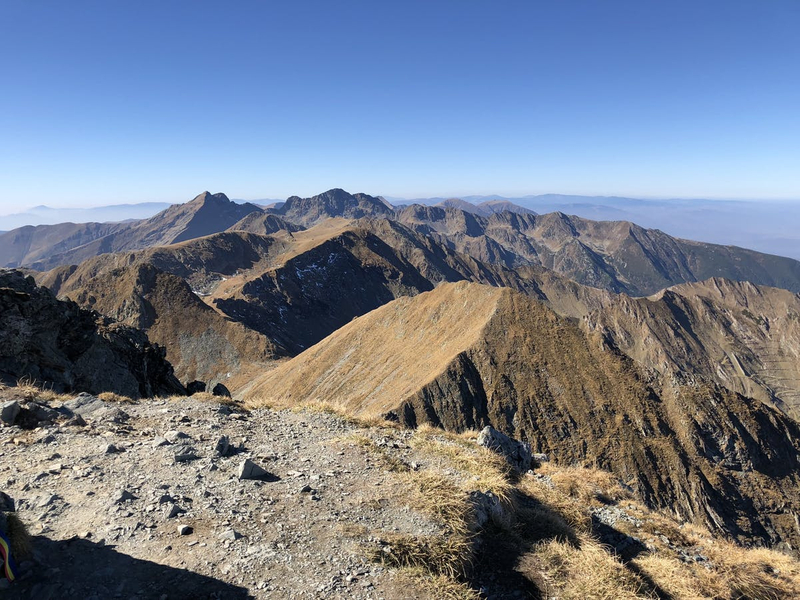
(223, 446)
(174, 436)
(112, 449)
(306, 489)
(9, 412)
(250, 470)
(173, 511)
(121, 496)
(185, 530)
(160, 441)
(230, 534)
(184, 453)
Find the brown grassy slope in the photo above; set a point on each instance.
(465, 355)
(379, 360)
(744, 337)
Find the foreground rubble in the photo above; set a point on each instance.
(189, 498)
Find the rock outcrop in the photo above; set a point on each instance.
(59, 345)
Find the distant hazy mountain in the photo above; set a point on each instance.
(766, 226)
(47, 246)
(45, 215)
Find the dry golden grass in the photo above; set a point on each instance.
(209, 397)
(486, 471)
(448, 556)
(440, 586)
(339, 410)
(21, 545)
(585, 573)
(30, 389)
(730, 572)
(112, 397)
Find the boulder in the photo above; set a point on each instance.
(516, 453)
(84, 404)
(221, 390)
(9, 412)
(195, 387)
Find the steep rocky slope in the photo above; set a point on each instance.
(64, 347)
(200, 343)
(613, 255)
(204, 215)
(744, 337)
(466, 355)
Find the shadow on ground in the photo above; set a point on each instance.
(496, 569)
(82, 569)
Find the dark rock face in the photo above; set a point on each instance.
(195, 387)
(221, 390)
(59, 345)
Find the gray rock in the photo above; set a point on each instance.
(9, 412)
(223, 446)
(121, 496)
(75, 421)
(112, 449)
(516, 453)
(173, 510)
(489, 508)
(160, 441)
(184, 453)
(84, 404)
(185, 530)
(540, 458)
(250, 470)
(41, 412)
(173, 437)
(231, 535)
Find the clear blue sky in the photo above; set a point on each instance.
(127, 101)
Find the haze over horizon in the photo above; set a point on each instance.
(118, 104)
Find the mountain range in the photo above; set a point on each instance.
(671, 363)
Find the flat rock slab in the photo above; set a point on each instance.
(84, 404)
